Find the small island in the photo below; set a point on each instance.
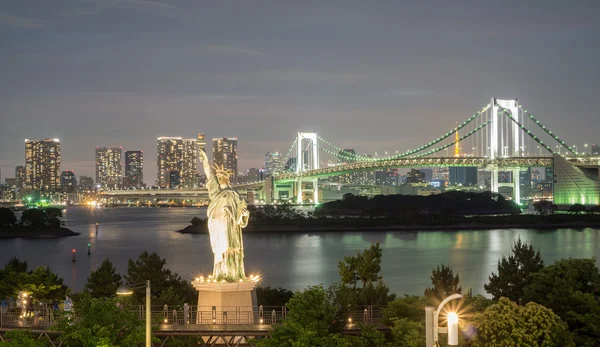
(448, 211)
(34, 223)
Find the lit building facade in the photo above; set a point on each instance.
(273, 163)
(225, 153)
(20, 176)
(177, 154)
(595, 150)
(109, 168)
(42, 165)
(134, 169)
(86, 182)
(463, 175)
(68, 181)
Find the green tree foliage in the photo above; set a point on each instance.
(103, 323)
(507, 324)
(445, 283)
(544, 207)
(361, 282)
(411, 307)
(577, 209)
(570, 287)
(310, 316)
(514, 272)
(42, 284)
(7, 217)
(104, 281)
(21, 338)
(408, 333)
(594, 209)
(268, 296)
(152, 267)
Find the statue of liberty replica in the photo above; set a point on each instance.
(227, 215)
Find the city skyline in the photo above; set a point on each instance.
(370, 77)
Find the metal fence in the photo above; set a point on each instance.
(189, 318)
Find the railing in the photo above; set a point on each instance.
(190, 318)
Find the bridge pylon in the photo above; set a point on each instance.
(505, 141)
(307, 158)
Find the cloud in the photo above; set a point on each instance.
(18, 22)
(234, 51)
(409, 92)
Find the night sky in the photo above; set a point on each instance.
(372, 75)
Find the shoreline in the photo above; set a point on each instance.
(36, 233)
(342, 228)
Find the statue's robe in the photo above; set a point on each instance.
(225, 223)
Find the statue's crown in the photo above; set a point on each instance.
(221, 170)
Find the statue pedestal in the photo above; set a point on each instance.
(230, 295)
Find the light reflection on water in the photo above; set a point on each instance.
(293, 260)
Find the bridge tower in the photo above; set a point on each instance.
(505, 141)
(307, 158)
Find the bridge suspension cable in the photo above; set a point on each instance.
(435, 150)
(289, 153)
(537, 139)
(537, 122)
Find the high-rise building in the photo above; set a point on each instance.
(86, 182)
(595, 150)
(415, 176)
(463, 175)
(225, 153)
(42, 164)
(273, 163)
(109, 170)
(20, 176)
(134, 169)
(177, 154)
(174, 179)
(253, 174)
(387, 177)
(68, 181)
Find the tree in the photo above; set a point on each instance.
(411, 307)
(408, 333)
(152, 267)
(268, 296)
(544, 207)
(445, 283)
(103, 323)
(577, 209)
(570, 288)
(34, 218)
(21, 338)
(53, 214)
(196, 222)
(514, 272)
(594, 209)
(364, 266)
(12, 277)
(7, 217)
(44, 285)
(532, 325)
(104, 281)
(310, 316)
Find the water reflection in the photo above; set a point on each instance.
(292, 260)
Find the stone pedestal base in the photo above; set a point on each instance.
(222, 295)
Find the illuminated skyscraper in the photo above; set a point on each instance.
(42, 164)
(134, 169)
(20, 176)
(86, 182)
(225, 154)
(177, 154)
(273, 163)
(595, 150)
(109, 168)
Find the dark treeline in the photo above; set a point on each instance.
(455, 203)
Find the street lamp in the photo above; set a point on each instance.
(432, 328)
(128, 290)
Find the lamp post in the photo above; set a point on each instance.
(432, 328)
(127, 290)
